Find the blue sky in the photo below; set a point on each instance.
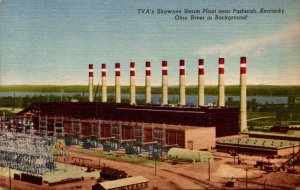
(53, 41)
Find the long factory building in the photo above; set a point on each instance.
(225, 121)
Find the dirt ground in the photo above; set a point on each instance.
(183, 175)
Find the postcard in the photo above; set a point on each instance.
(153, 94)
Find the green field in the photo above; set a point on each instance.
(252, 115)
(5, 188)
(231, 90)
(137, 159)
(9, 111)
(263, 120)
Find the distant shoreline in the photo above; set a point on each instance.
(230, 90)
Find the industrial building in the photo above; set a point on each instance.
(137, 182)
(225, 119)
(259, 146)
(190, 137)
(142, 133)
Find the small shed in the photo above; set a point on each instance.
(137, 182)
(194, 156)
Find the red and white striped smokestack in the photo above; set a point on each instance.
(164, 82)
(221, 101)
(148, 82)
(182, 82)
(243, 98)
(91, 73)
(132, 83)
(104, 83)
(201, 98)
(118, 83)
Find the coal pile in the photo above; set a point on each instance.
(109, 173)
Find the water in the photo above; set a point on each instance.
(156, 98)
(22, 94)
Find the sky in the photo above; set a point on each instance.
(51, 42)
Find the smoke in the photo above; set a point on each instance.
(288, 38)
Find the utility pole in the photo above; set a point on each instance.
(293, 157)
(208, 169)
(9, 178)
(14, 102)
(234, 159)
(238, 152)
(155, 165)
(246, 178)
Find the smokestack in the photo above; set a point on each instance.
(164, 82)
(132, 83)
(118, 83)
(221, 101)
(91, 72)
(148, 82)
(104, 83)
(201, 98)
(182, 83)
(243, 101)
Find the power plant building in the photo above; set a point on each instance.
(226, 120)
(188, 127)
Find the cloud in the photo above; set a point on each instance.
(289, 38)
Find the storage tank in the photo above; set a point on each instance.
(187, 155)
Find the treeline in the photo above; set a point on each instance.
(22, 102)
(25, 101)
(231, 90)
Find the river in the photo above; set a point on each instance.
(156, 98)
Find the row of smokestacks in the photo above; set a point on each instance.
(182, 85)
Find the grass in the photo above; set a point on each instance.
(136, 159)
(252, 115)
(288, 134)
(231, 90)
(16, 110)
(9, 111)
(4, 188)
(263, 124)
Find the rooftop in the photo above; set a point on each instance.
(123, 182)
(260, 142)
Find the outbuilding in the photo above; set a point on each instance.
(137, 182)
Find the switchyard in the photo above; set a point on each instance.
(26, 151)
